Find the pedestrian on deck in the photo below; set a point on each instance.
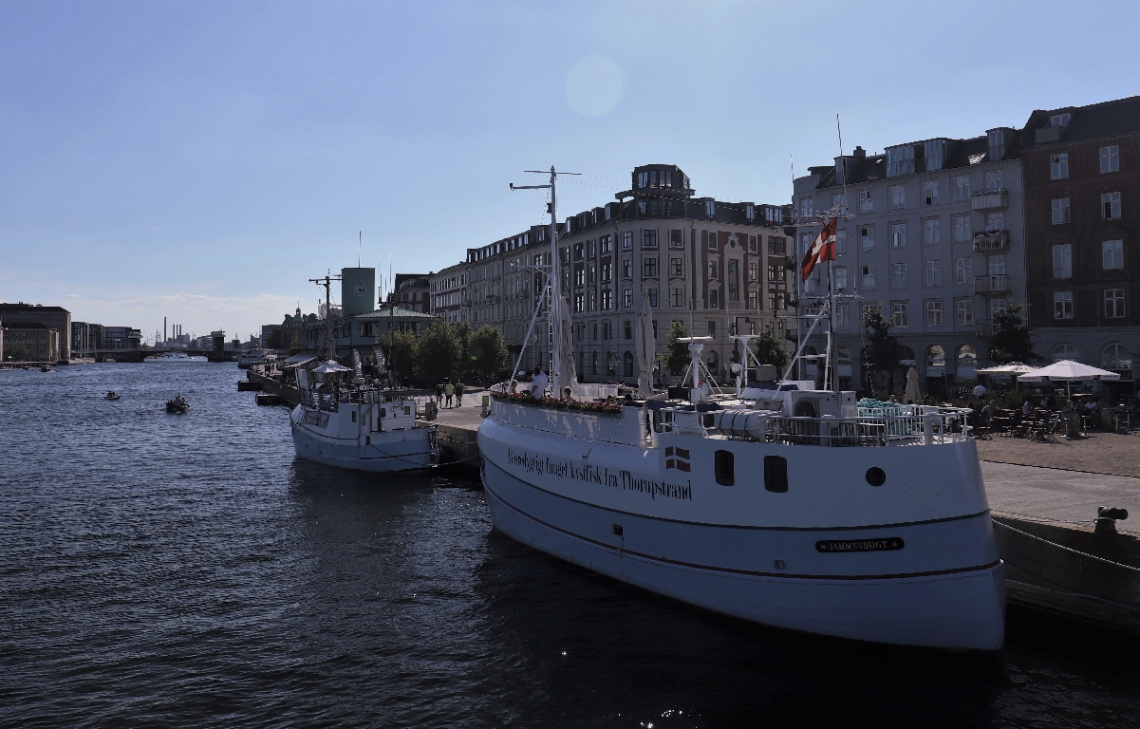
(459, 394)
(538, 384)
(449, 392)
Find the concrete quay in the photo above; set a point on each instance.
(1043, 499)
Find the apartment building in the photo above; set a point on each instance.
(932, 234)
(447, 291)
(1082, 187)
(719, 267)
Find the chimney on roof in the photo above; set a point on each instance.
(859, 153)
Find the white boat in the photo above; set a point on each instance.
(174, 357)
(794, 508)
(250, 358)
(342, 422)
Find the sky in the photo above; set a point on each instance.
(201, 161)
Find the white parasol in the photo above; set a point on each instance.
(328, 367)
(912, 394)
(1010, 368)
(1068, 371)
(646, 349)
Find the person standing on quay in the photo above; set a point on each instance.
(439, 395)
(450, 392)
(459, 394)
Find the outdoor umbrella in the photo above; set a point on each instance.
(911, 395)
(1009, 368)
(329, 366)
(1068, 371)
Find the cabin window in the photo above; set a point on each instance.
(776, 474)
(725, 469)
(354, 416)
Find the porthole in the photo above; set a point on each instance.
(876, 476)
(776, 474)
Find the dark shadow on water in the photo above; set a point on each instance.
(586, 650)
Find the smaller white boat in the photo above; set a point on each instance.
(175, 357)
(250, 358)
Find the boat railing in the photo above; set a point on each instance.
(915, 425)
(319, 400)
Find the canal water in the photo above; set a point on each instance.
(187, 571)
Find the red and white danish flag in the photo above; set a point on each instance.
(677, 458)
(821, 249)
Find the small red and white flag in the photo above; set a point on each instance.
(821, 249)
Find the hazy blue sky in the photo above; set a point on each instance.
(202, 160)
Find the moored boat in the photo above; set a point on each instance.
(789, 506)
(250, 358)
(342, 421)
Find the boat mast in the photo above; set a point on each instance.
(327, 283)
(555, 279)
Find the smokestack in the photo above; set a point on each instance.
(164, 330)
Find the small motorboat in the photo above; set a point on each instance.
(112, 395)
(177, 406)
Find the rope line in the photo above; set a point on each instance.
(1130, 568)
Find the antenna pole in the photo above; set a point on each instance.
(327, 283)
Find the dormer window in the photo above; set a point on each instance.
(710, 208)
(1059, 120)
(997, 144)
(750, 212)
(900, 161)
(935, 151)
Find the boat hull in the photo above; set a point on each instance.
(942, 587)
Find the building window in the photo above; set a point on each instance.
(898, 197)
(714, 299)
(712, 240)
(753, 300)
(713, 269)
(649, 267)
(677, 297)
(1063, 262)
(1064, 350)
(840, 277)
(1059, 166)
(1060, 210)
(843, 316)
(753, 271)
(1062, 304)
(867, 238)
(867, 277)
(651, 293)
(752, 248)
(1059, 120)
(932, 273)
(1110, 205)
(604, 241)
(964, 312)
(1113, 303)
(710, 208)
(866, 201)
(898, 275)
(898, 235)
(750, 212)
(1116, 357)
(932, 231)
(676, 267)
(962, 228)
(579, 303)
(934, 313)
(676, 239)
(627, 298)
(627, 240)
(900, 161)
(840, 242)
(627, 268)
(649, 239)
(733, 275)
(1112, 254)
(930, 192)
(994, 180)
(900, 313)
(777, 246)
(962, 187)
(1110, 159)
(996, 139)
(607, 271)
(607, 299)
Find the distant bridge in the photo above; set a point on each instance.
(138, 354)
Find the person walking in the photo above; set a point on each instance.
(439, 395)
(449, 391)
(459, 394)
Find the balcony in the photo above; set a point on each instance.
(993, 285)
(991, 241)
(990, 199)
(983, 329)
